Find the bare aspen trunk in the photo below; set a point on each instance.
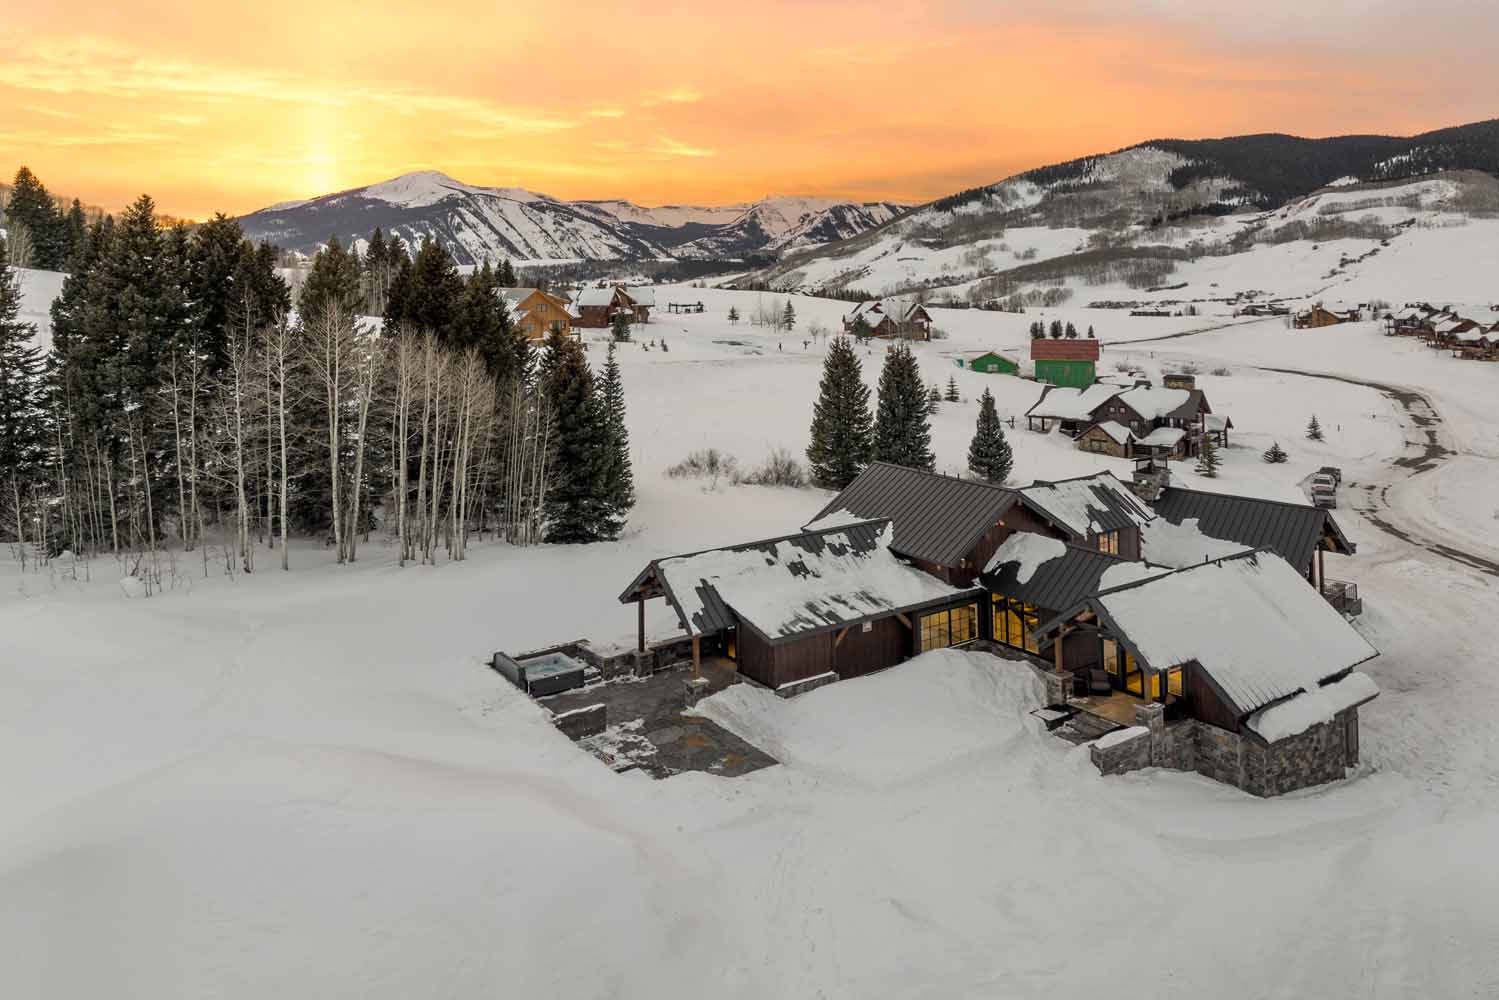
(182, 528)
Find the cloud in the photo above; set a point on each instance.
(676, 95)
(667, 146)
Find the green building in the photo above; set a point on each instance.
(991, 363)
(1068, 362)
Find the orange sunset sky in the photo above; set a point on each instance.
(211, 108)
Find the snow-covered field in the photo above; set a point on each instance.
(308, 784)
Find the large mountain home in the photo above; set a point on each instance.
(537, 313)
(1317, 317)
(889, 319)
(1141, 421)
(903, 561)
(597, 307)
(1066, 361)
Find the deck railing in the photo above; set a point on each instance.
(1343, 596)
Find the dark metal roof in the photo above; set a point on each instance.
(937, 519)
(1292, 531)
(1057, 583)
(1106, 502)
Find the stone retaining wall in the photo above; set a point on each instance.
(581, 722)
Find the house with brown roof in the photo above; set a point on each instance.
(1067, 361)
(537, 313)
(889, 319)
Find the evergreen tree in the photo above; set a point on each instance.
(75, 231)
(332, 280)
(432, 294)
(482, 323)
(1276, 455)
(861, 329)
(989, 454)
(1038, 330)
(1090, 333)
(1314, 429)
(901, 433)
(933, 399)
(1207, 459)
(1056, 329)
(619, 328)
(576, 505)
(619, 479)
(20, 395)
(733, 316)
(1071, 332)
(841, 425)
(216, 257)
(506, 276)
(788, 316)
(952, 389)
(32, 210)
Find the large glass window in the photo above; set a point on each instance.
(941, 629)
(1174, 682)
(1015, 624)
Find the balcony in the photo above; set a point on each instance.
(1343, 596)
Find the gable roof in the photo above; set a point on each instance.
(792, 585)
(1066, 403)
(1063, 580)
(1087, 505)
(1249, 621)
(1164, 404)
(1066, 349)
(1118, 432)
(876, 311)
(596, 296)
(1290, 530)
(936, 519)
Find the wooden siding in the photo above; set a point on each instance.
(1017, 518)
(1203, 702)
(887, 643)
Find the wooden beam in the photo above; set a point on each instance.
(697, 656)
(905, 621)
(841, 633)
(1057, 645)
(640, 606)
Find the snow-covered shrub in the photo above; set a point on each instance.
(780, 469)
(705, 463)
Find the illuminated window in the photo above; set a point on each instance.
(1111, 656)
(949, 628)
(1174, 681)
(1030, 619)
(1108, 541)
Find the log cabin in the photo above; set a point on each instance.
(537, 313)
(597, 307)
(890, 319)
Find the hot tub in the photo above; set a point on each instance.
(539, 676)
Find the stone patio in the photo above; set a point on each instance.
(651, 727)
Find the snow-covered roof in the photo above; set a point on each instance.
(1309, 708)
(805, 582)
(1163, 437)
(1089, 504)
(1217, 422)
(1066, 403)
(1167, 543)
(1120, 433)
(1028, 551)
(643, 295)
(875, 311)
(1251, 622)
(595, 296)
(1155, 404)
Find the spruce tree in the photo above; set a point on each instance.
(902, 434)
(433, 292)
(1055, 329)
(576, 505)
(1071, 332)
(952, 389)
(619, 478)
(75, 230)
(1038, 330)
(619, 328)
(841, 425)
(332, 280)
(1207, 459)
(506, 275)
(32, 210)
(733, 316)
(989, 455)
(1090, 333)
(1276, 455)
(20, 395)
(933, 399)
(1314, 429)
(788, 316)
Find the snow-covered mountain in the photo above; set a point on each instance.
(1134, 216)
(478, 222)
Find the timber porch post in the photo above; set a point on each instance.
(640, 607)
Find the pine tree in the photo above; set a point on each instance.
(933, 399)
(431, 297)
(1038, 330)
(733, 316)
(1207, 459)
(952, 389)
(989, 455)
(20, 398)
(619, 479)
(619, 328)
(861, 330)
(75, 230)
(1056, 329)
(1314, 429)
(1090, 333)
(1276, 455)
(1071, 332)
(576, 505)
(32, 210)
(902, 434)
(788, 316)
(841, 426)
(333, 280)
(506, 274)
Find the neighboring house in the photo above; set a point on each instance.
(1317, 317)
(1167, 423)
(1108, 438)
(1069, 408)
(1234, 669)
(597, 307)
(991, 363)
(536, 313)
(1066, 361)
(890, 319)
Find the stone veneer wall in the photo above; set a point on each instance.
(1319, 755)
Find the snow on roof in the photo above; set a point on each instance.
(801, 583)
(1184, 544)
(1163, 437)
(1065, 403)
(643, 295)
(1251, 622)
(595, 296)
(1218, 422)
(1120, 433)
(1155, 404)
(1090, 504)
(1029, 550)
(1314, 706)
(1127, 572)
